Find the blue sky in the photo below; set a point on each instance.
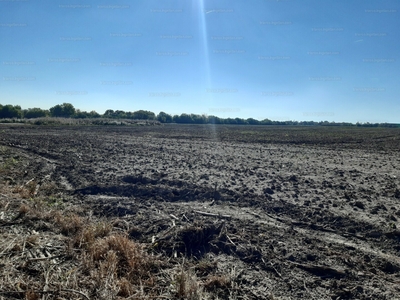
(282, 60)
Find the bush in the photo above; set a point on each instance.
(10, 111)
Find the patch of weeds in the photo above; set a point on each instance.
(32, 240)
(205, 267)
(69, 224)
(187, 285)
(9, 164)
(48, 189)
(217, 282)
(129, 253)
(53, 201)
(24, 209)
(27, 190)
(3, 149)
(125, 288)
(31, 295)
(89, 234)
(115, 262)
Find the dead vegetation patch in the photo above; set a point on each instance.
(84, 257)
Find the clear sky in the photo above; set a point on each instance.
(334, 60)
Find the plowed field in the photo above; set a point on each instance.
(228, 212)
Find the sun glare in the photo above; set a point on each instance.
(206, 59)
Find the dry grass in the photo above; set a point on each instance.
(125, 288)
(122, 254)
(86, 237)
(31, 295)
(70, 224)
(27, 190)
(217, 282)
(89, 259)
(9, 163)
(24, 209)
(48, 189)
(188, 285)
(86, 121)
(50, 250)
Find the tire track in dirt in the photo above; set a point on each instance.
(284, 223)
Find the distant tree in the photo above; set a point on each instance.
(144, 115)
(94, 114)
(347, 124)
(240, 121)
(289, 122)
(198, 119)
(120, 114)
(109, 113)
(307, 123)
(117, 114)
(164, 117)
(252, 121)
(183, 119)
(129, 115)
(66, 110)
(10, 111)
(56, 111)
(214, 120)
(80, 114)
(35, 112)
(230, 121)
(266, 122)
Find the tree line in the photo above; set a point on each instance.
(67, 110)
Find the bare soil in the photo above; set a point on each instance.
(216, 212)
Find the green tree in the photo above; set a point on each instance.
(80, 114)
(144, 115)
(10, 111)
(120, 114)
(35, 112)
(56, 111)
(94, 114)
(240, 121)
(252, 121)
(164, 117)
(230, 121)
(198, 119)
(183, 119)
(109, 113)
(66, 110)
(266, 122)
(214, 120)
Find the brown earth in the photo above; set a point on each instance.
(213, 212)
